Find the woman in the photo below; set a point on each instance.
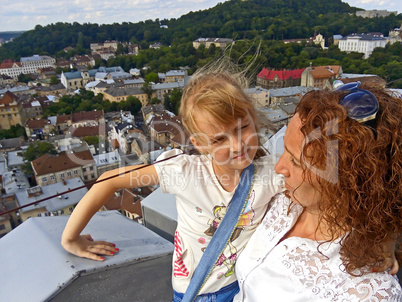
(324, 239)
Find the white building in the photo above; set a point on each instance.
(27, 65)
(363, 43)
(32, 64)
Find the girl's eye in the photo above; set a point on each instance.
(217, 140)
(245, 126)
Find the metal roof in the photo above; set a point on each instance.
(35, 267)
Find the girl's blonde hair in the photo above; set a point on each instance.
(219, 90)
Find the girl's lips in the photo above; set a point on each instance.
(241, 155)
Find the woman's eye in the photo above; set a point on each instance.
(294, 163)
(245, 126)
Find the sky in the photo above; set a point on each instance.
(16, 15)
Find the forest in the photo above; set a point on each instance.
(253, 24)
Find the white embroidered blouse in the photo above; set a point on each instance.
(293, 270)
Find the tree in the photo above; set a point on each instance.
(152, 77)
(35, 150)
(54, 80)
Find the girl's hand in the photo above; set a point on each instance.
(86, 247)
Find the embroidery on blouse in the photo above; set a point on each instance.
(316, 273)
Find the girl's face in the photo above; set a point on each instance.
(301, 190)
(232, 146)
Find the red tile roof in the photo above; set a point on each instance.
(281, 74)
(49, 163)
(35, 124)
(8, 98)
(61, 119)
(88, 115)
(323, 72)
(8, 64)
(86, 131)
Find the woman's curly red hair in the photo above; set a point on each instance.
(362, 191)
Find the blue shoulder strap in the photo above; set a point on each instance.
(222, 235)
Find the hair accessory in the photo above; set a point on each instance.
(360, 104)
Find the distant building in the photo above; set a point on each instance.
(166, 88)
(218, 42)
(32, 64)
(375, 13)
(168, 130)
(55, 89)
(38, 128)
(74, 80)
(11, 69)
(49, 169)
(173, 76)
(259, 96)
(315, 39)
(116, 94)
(363, 43)
(269, 79)
(87, 118)
(395, 35)
(156, 45)
(6, 80)
(61, 205)
(321, 76)
(11, 111)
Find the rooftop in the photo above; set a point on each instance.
(36, 268)
(27, 196)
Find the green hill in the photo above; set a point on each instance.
(238, 19)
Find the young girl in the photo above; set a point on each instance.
(220, 117)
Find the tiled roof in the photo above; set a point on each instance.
(8, 98)
(171, 124)
(124, 91)
(87, 115)
(322, 72)
(61, 119)
(281, 74)
(85, 131)
(9, 64)
(35, 124)
(64, 160)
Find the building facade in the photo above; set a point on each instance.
(271, 79)
(321, 76)
(363, 43)
(11, 111)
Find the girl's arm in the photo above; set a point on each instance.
(96, 197)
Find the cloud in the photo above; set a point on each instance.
(25, 14)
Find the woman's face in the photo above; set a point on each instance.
(301, 190)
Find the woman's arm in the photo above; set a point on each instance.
(96, 197)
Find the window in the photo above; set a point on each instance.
(91, 168)
(44, 179)
(68, 173)
(75, 172)
(2, 227)
(84, 169)
(85, 177)
(52, 177)
(62, 175)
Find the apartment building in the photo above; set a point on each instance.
(321, 76)
(11, 111)
(35, 62)
(49, 169)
